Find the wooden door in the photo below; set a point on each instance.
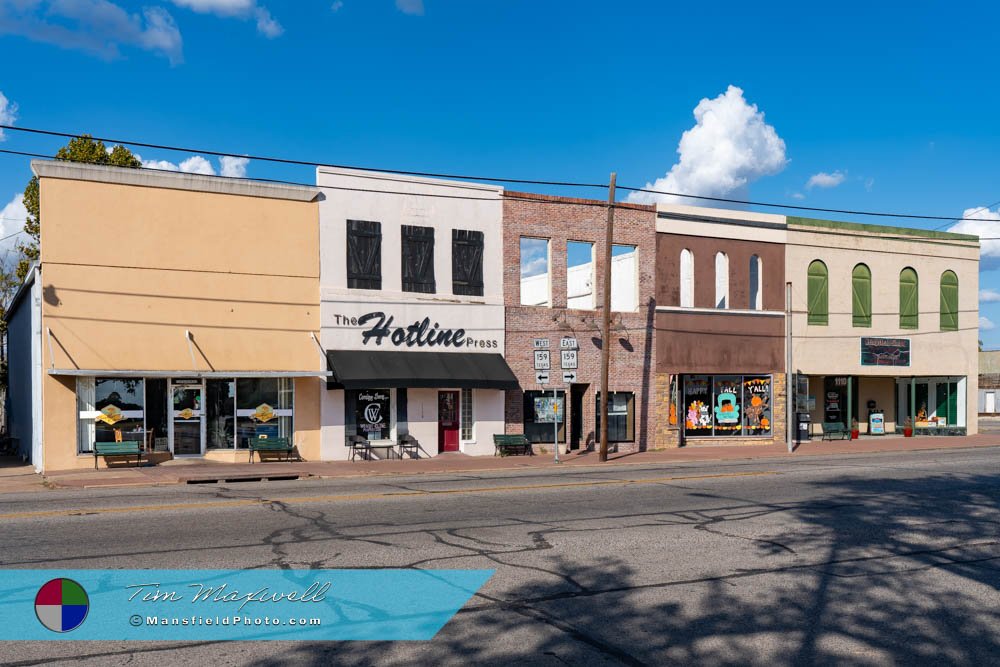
(447, 421)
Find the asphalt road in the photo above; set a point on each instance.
(867, 559)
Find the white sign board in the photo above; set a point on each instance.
(568, 359)
(542, 377)
(542, 362)
(569, 377)
(541, 343)
(568, 344)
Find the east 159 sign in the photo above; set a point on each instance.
(885, 351)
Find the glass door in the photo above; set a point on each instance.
(187, 418)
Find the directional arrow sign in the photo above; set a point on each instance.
(542, 377)
(569, 376)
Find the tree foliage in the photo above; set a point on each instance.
(79, 149)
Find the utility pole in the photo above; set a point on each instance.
(791, 418)
(606, 328)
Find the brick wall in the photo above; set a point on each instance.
(560, 220)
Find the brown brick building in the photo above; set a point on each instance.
(553, 286)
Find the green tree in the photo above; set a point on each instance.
(79, 149)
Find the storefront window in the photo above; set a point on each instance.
(468, 421)
(369, 413)
(541, 411)
(220, 412)
(727, 405)
(264, 408)
(106, 406)
(621, 416)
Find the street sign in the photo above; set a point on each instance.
(541, 343)
(568, 359)
(542, 360)
(568, 344)
(569, 376)
(541, 377)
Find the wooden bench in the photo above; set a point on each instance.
(270, 445)
(124, 448)
(508, 444)
(835, 429)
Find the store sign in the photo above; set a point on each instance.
(110, 415)
(885, 351)
(422, 333)
(186, 413)
(372, 413)
(264, 413)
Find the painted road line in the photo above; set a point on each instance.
(300, 500)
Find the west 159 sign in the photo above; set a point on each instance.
(421, 333)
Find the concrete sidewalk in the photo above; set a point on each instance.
(187, 471)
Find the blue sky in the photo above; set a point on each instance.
(894, 103)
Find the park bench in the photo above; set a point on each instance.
(261, 445)
(124, 448)
(511, 444)
(833, 430)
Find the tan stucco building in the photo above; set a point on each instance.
(179, 309)
(885, 320)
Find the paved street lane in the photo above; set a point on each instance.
(869, 559)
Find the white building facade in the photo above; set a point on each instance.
(412, 313)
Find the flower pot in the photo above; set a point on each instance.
(907, 432)
(854, 434)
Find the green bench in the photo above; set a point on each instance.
(125, 448)
(270, 445)
(510, 444)
(833, 430)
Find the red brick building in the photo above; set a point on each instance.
(553, 289)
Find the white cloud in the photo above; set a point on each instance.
(989, 296)
(729, 147)
(337, 6)
(12, 219)
(241, 9)
(8, 113)
(235, 167)
(985, 324)
(869, 184)
(414, 7)
(100, 27)
(825, 180)
(798, 195)
(984, 223)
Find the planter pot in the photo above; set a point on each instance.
(854, 434)
(907, 432)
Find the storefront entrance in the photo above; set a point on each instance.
(187, 418)
(448, 421)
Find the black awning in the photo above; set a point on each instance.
(359, 369)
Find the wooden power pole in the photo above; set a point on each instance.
(606, 328)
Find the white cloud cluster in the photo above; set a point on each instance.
(729, 147)
(100, 27)
(12, 219)
(414, 7)
(984, 223)
(267, 25)
(825, 180)
(235, 167)
(989, 296)
(985, 324)
(8, 113)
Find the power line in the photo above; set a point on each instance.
(302, 163)
(290, 161)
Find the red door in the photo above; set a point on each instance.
(447, 421)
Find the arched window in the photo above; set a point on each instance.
(721, 280)
(687, 279)
(861, 288)
(819, 294)
(949, 301)
(909, 301)
(756, 283)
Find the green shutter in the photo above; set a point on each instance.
(861, 287)
(949, 301)
(818, 294)
(952, 404)
(909, 312)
